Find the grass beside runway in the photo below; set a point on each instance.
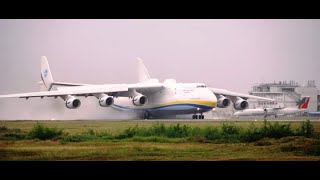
(115, 126)
(53, 150)
(135, 149)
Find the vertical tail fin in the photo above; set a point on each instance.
(303, 104)
(142, 70)
(46, 75)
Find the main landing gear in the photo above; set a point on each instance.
(195, 116)
(146, 115)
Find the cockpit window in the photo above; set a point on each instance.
(201, 86)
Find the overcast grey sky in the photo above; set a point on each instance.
(230, 54)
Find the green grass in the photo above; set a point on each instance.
(42, 132)
(114, 127)
(53, 150)
(143, 140)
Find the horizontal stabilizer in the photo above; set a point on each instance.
(69, 84)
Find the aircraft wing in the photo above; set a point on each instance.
(90, 90)
(146, 88)
(232, 95)
(79, 92)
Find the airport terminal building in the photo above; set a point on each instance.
(286, 94)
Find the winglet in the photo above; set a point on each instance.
(46, 75)
(142, 70)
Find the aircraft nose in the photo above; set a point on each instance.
(213, 98)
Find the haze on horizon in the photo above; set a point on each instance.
(229, 54)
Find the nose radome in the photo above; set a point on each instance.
(212, 97)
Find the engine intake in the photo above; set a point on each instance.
(241, 104)
(139, 100)
(106, 101)
(223, 102)
(73, 103)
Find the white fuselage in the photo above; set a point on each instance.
(173, 99)
(269, 112)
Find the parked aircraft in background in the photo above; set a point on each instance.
(148, 98)
(314, 113)
(300, 108)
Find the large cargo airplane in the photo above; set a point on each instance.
(148, 98)
(301, 107)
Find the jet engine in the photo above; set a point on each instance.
(139, 100)
(223, 102)
(73, 103)
(240, 104)
(106, 101)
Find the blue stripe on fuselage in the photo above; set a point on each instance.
(172, 105)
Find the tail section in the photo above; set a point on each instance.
(46, 75)
(303, 104)
(42, 86)
(142, 70)
(47, 80)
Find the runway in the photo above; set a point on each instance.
(245, 119)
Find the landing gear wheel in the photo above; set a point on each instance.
(275, 116)
(146, 115)
(196, 116)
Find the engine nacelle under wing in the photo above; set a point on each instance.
(73, 103)
(240, 104)
(139, 100)
(223, 102)
(106, 101)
